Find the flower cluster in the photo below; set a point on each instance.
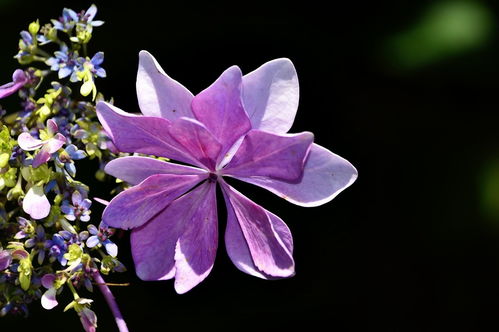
(48, 242)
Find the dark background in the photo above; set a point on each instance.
(407, 96)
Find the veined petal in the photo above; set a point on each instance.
(134, 169)
(154, 244)
(143, 134)
(137, 205)
(28, 142)
(325, 175)
(270, 96)
(263, 154)
(158, 94)
(220, 108)
(36, 204)
(197, 141)
(258, 242)
(196, 249)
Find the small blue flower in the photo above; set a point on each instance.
(64, 62)
(57, 247)
(67, 156)
(74, 238)
(38, 243)
(67, 21)
(79, 209)
(100, 236)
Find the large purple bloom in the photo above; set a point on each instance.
(237, 127)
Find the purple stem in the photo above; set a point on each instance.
(111, 302)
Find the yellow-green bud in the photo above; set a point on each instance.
(34, 27)
(4, 159)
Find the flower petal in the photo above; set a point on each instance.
(90, 13)
(137, 205)
(158, 94)
(52, 127)
(220, 108)
(36, 204)
(41, 157)
(48, 299)
(325, 175)
(28, 142)
(270, 155)
(111, 248)
(55, 143)
(134, 169)
(92, 241)
(194, 138)
(153, 244)
(270, 95)
(48, 280)
(5, 259)
(18, 80)
(257, 241)
(197, 247)
(143, 134)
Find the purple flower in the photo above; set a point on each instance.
(236, 128)
(48, 299)
(19, 79)
(53, 142)
(88, 319)
(5, 259)
(100, 236)
(57, 247)
(79, 209)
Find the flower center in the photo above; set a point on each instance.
(212, 177)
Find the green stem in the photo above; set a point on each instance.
(73, 290)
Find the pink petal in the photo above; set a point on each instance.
(52, 127)
(48, 299)
(325, 175)
(55, 143)
(42, 156)
(270, 155)
(194, 138)
(35, 203)
(197, 247)
(137, 205)
(134, 169)
(154, 244)
(143, 134)
(220, 109)
(258, 242)
(270, 95)
(158, 94)
(28, 142)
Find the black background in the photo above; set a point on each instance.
(406, 248)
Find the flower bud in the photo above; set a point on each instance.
(34, 27)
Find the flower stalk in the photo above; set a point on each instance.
(111, 301)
